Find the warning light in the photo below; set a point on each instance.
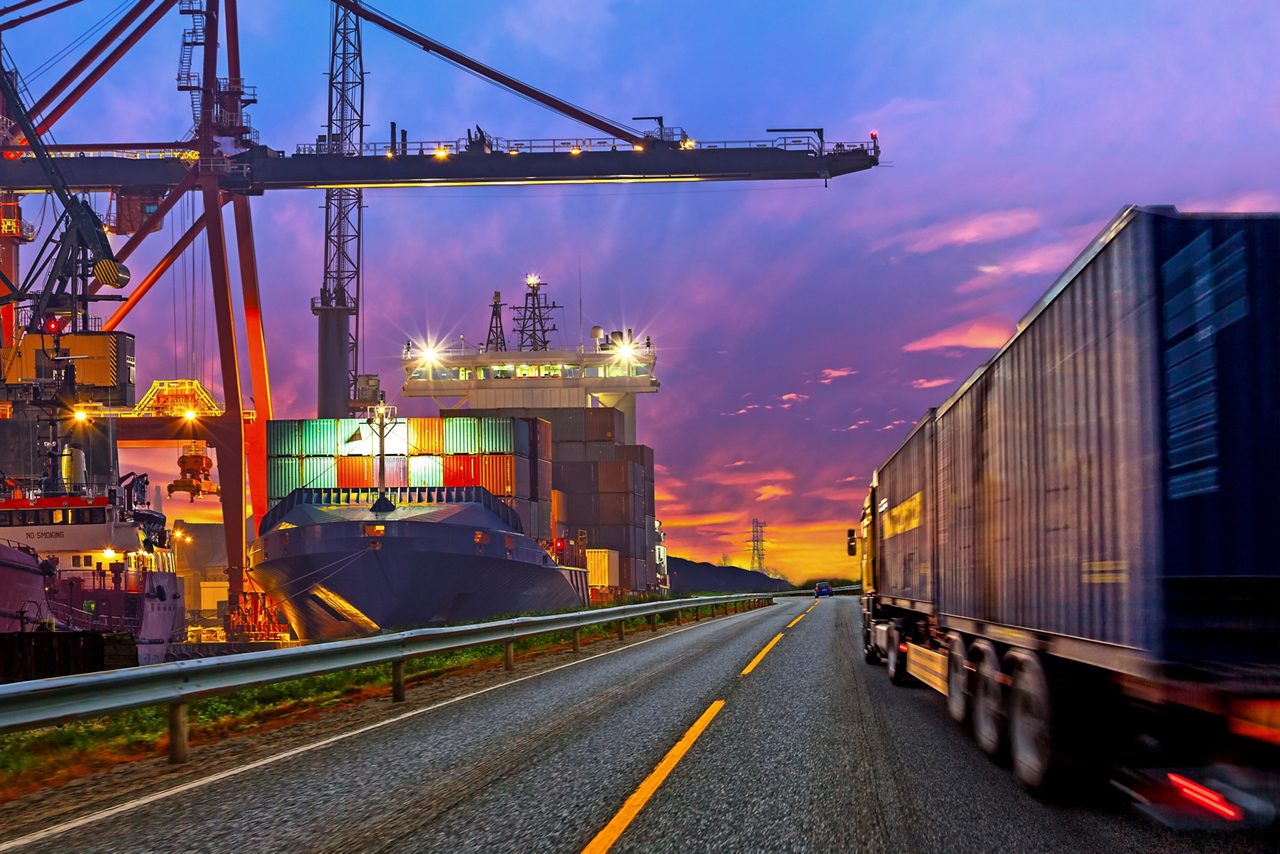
(559, 544)
(12, 155)
(51, 325)
(875, 135)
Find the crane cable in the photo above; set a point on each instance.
(103, 22)
(490, 81)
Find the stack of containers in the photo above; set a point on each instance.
(600, 485)
(496, 453)
(300, 454)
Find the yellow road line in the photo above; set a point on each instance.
(796, 620)
(605, 838)
(761, 654)
(811, 607)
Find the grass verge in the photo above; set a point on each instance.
(50, 756)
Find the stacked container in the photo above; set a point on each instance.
(500, 454)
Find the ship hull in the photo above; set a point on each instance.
(22, 596)
(333, 585)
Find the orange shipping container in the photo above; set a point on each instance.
(498, 473)
(355, 472)
(426, 437)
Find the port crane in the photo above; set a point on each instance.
(223, 161)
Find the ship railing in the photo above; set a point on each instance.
(81, 620)
(47, 702)
(130, 581)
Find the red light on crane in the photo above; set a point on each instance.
(12, 155)
(559, 544)
(51, 326)
(875, 135)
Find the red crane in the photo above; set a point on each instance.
(234, 174)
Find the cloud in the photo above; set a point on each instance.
(984, 333)
(770, 491)
(892, 425)
(794, 398)
(830, 375)
(737, 463)
(922, 383)
(981, 228)
(857, 425)
(1050, 258)
(746, 478)
(563, 31)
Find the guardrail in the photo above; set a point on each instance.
(45, 702)
(852, 589)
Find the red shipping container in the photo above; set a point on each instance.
(355, 472)
(397, 471)
(426, 437)
(497, 473)
(461, 470)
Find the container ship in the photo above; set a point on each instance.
(522, 496)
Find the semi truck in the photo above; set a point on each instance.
(1078, 548)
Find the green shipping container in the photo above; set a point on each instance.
(462, 435)
(320, 437)
(354, 438)
(284, 475)
(319, 472)
(497, 435)
(426, 471)
(284, 439)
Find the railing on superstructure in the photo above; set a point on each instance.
(581, 145)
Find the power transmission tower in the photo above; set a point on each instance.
(338, 306)
(757, 544)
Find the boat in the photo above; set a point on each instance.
(347, 562)
(102, 560)
(22, 594)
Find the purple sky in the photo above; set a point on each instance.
(801, 330)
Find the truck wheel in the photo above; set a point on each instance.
(895, 661)
(1031, 725)
(988, 700)
(869, 653)
(957, 680)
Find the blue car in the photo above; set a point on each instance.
(823, 588)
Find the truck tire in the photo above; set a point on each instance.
(988, 708)
(957, 680)
(895, 660)
(1032, 746)
(869, 653)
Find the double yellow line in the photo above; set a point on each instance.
(604, 840)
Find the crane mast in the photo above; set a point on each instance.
(338, 306)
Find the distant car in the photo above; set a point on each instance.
(823, 588)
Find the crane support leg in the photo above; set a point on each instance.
(231, 448)
(255, 432)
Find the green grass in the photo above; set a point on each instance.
(140, 731)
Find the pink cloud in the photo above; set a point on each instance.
(830, 375)
(923, 383)
(892, 424)
(985, 333)
(857, 425)
(1051, 258)
(980, 228)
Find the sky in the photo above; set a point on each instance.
(801, 329)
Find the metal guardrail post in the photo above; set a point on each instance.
(179, 747)
(509, 655)
(653, 622)
(679, 618)
(397, 681)
(697, 613)
(577, 640)
(622, 630)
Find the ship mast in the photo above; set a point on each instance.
(382, 419)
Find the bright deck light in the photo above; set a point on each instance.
(190, 415)
(81, 415)
(441, 152)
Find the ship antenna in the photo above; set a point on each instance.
(581, 342)
(382, 418)
(534, 320)
(497, 336)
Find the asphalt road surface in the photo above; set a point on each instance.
(661, 746)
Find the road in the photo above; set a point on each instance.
(659, 746)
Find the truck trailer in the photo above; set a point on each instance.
(1078, 548)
